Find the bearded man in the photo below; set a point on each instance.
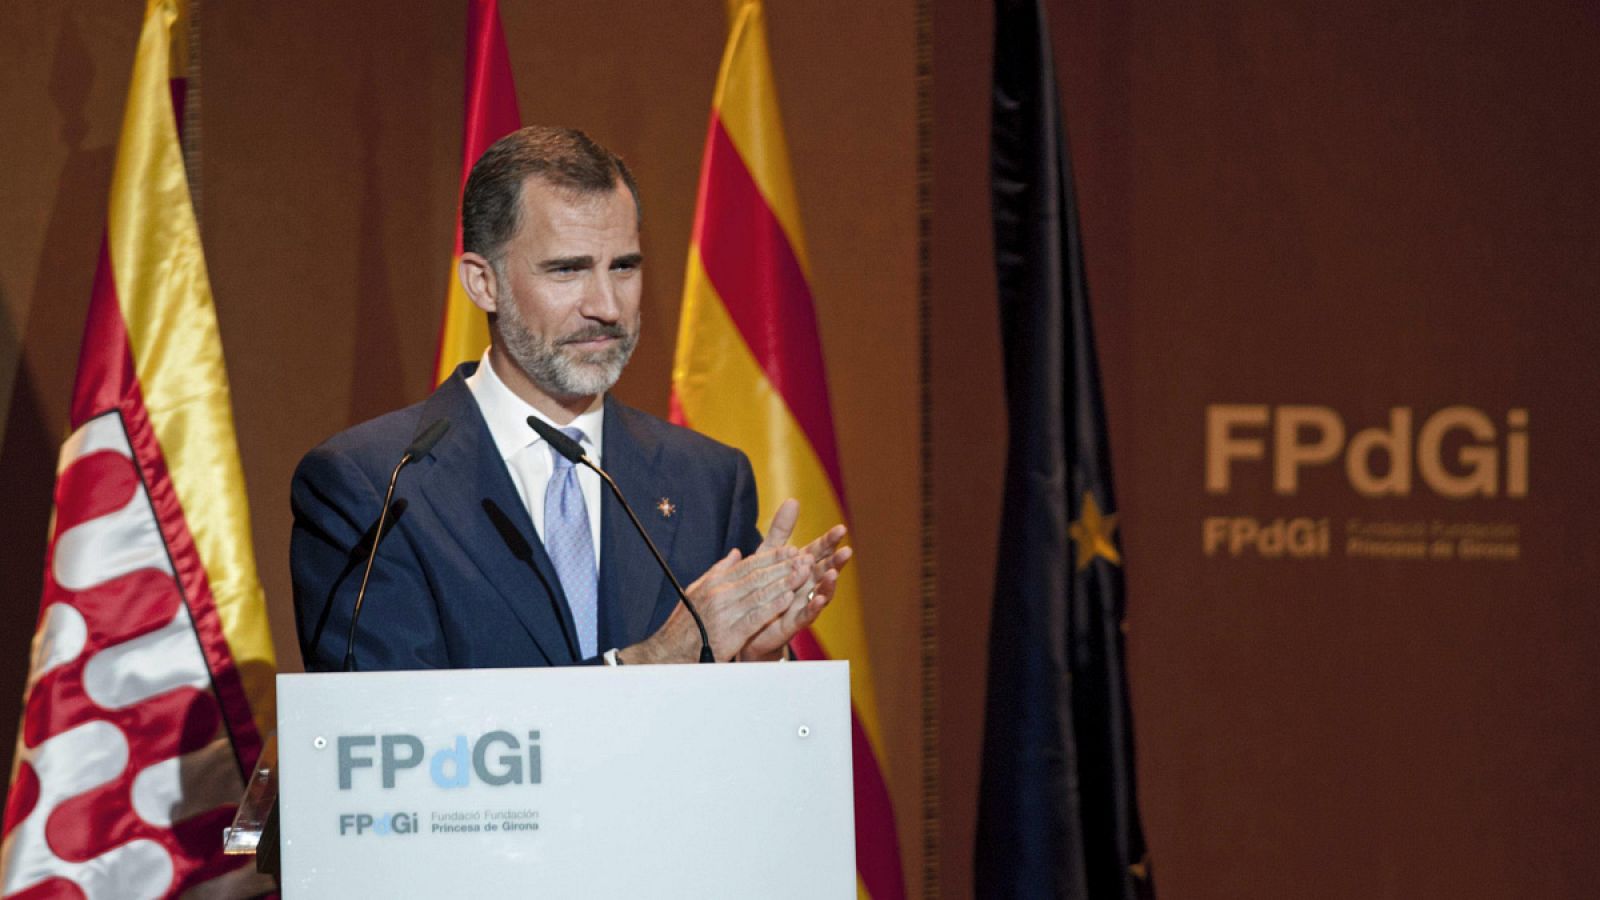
(498, 551)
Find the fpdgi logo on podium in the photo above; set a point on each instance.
(450, 767)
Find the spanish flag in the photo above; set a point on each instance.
(491, 115)
(749, 372)
(150, 684)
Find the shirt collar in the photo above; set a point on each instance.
(506, 414)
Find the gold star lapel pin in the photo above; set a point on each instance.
(666, 508)
(1094, 534)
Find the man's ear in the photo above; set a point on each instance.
(477, 278)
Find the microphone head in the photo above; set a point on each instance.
(564, 445)
(429, 436)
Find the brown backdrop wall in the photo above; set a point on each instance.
(1354, 207)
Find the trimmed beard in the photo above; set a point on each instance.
(561, 374)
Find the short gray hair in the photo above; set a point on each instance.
(564, 157)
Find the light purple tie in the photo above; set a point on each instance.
(571, 546)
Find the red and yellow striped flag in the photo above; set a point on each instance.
(749, 372)
(151, 677)
(491, 115)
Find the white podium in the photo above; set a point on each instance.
(634, 781)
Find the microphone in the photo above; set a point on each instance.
(573, 451)
(420, 445)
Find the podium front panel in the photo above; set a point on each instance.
(636, 781)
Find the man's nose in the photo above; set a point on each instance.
(603, 300)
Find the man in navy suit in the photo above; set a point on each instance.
(499, 553)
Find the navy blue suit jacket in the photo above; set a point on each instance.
(461, 579)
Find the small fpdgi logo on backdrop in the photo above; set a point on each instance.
(1411, 459)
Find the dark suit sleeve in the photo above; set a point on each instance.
(336, 507)
(742, 529)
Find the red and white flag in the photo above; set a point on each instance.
(151, 677)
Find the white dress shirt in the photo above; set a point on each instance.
(527, 456)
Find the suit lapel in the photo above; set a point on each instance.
(630, 579)
(470, 490)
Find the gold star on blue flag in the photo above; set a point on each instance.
(1095, 534)
(1058, 812)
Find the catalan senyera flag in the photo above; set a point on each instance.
(491, 115)
(749, 372)
(151, 679)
